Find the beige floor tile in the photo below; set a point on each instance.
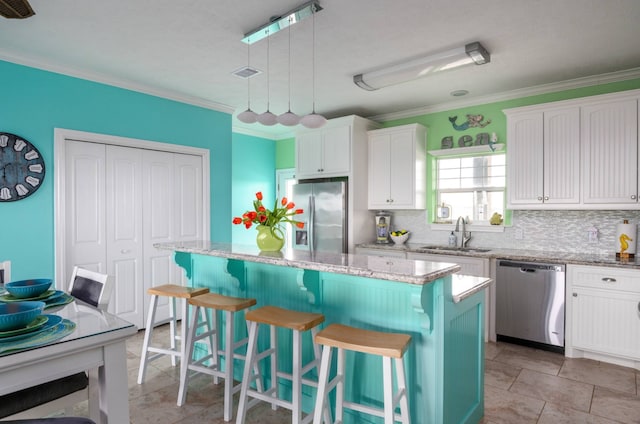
(550, 388)
(503, 407)
(555, 414)
(532, 359)
(500, 375)
(601, 374)
(491, 350)
(617, 406)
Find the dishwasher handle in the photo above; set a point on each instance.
(531, 267)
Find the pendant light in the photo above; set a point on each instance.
(313, 120)
(248, 116)
(268, 118)
(289, 118)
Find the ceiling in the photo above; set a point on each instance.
(187, 50)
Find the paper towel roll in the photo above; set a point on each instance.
(626, 235)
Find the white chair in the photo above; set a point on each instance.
(94, 289)
(5, 272)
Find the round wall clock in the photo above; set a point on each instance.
(21, 168)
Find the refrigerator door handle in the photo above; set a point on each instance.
(312, 218)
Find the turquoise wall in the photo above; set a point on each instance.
(254, 162)
(34, 102)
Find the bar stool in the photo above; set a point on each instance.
(173, 292)
(229, 306)
(387, 345)
(298, 322)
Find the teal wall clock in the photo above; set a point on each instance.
(22, 168)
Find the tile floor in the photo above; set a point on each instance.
(522, 385)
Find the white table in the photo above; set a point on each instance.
(98, 341)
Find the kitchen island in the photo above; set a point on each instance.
(442, 312)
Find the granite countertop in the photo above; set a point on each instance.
(391, 269)
(574, 258)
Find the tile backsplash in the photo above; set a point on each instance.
(554, 231)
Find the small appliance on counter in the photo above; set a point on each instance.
(383, 223)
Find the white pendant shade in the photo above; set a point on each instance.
(267, 118)
(248, 116)
(313, 120)
(288, 119)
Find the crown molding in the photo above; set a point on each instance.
(115, 82)
(514, 94)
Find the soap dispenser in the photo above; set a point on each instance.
(453, 240)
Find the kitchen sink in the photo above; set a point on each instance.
(455, 249)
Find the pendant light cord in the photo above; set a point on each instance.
(289, 31)
(249, 78)
(313, 61)
(268, 67)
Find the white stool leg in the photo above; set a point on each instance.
(402, 388)
(186, 360)
(151, 317)
(388, 389)
(296, 380)
(172, 328)
(273, 331)
(246, 375)
(321, 395)
(214, 343)
(228, 368)
(340, 385)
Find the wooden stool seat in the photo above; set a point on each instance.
(221, 302)
(211, 363)
(379, 343)
(173, 290)
(285, 318)
(390, 346)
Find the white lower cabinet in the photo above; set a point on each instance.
(477, 267)
(603, 314)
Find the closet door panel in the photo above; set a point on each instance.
(187, 203)
(158, 222)
(124, 231)
(85, 207)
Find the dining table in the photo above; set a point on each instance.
(93, 340)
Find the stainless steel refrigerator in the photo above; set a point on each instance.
(324, 217)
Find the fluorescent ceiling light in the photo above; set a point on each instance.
(423, 66)
(278, 23)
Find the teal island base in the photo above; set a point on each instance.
(444, 364)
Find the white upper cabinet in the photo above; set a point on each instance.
(610, 153)
(324, 153)
(574, 154)
(397, 167)
(543, 158)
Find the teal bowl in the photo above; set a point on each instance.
(25, 289)
(17, 315)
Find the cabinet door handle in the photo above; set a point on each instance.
(633, 197)
(609, 280)
(125, 251)
(539, 197)
(575, 295)
(546, 197)
(639, 309)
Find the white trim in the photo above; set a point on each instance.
(262, 134)
(470, 150)
(61, 136)
(514, 94)
(116, 82)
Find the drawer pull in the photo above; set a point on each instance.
(576, 295)
(609, 280)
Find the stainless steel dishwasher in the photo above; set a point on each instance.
(530, 303)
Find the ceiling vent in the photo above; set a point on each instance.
(245, 72)
(16, 9)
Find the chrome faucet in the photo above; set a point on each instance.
(464, 236)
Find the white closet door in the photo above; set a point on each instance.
(124, 232)
(187, 203)
(85, 208)
(158, 222)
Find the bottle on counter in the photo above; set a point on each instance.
(453, 240)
